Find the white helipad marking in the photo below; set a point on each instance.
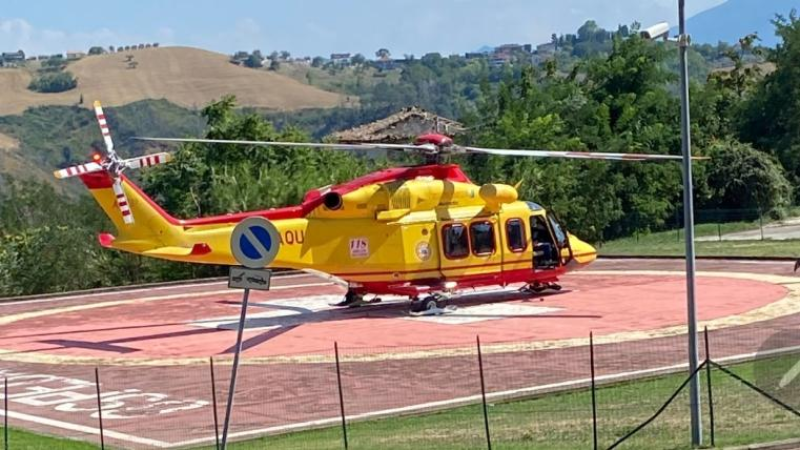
(481, 313)
(288, 312)
(85, 429)
(279, 313)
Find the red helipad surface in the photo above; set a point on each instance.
(153, 344)
(294, 318)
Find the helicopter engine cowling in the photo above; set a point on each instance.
(495, 195)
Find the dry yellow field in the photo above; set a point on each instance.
(185, 76)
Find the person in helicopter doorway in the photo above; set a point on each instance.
(544, 249)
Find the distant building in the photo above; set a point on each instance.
(340, 59)
(475, 55)
(75, 55)
(12, 59)
(401, 127)
(546, 49)
(500, 60)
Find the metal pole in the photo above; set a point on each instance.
(234, 370)
(709, 387)
(214, 402)
(341, 393)
(5, 412)
(99, 407)
(594, 391)
(483, 396)
(688, 217)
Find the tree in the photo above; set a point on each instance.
(275, 65)
(742, 177)
(285, 55)
(317, 62)
(771, 114)
(53, 82)
(358, 59)
(383, 53)
(218, 179)
(96, 50)
(253, 61)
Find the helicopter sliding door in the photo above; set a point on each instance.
(470, 251)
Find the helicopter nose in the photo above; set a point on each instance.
(582, 252)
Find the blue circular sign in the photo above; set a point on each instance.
(255, 242)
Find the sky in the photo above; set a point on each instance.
(314, 27)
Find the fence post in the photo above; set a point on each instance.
(99, 407)
(483, 395)
(5, 413)
(214, 401)
(761, 223)
(594, 391)
(708, 383)
(341, 393)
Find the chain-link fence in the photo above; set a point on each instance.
(579, 394)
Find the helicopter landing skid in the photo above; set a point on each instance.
(355, 301)
(537, 287)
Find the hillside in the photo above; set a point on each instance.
(736, 18)
(185, 76)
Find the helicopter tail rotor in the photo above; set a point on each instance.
(113, 165)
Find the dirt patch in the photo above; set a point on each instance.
(8, 143)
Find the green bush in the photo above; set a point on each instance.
(53, 82)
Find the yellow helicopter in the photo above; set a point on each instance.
(422, 232)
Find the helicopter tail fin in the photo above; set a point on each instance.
(154, 228)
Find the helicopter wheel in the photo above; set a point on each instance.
(428, 303)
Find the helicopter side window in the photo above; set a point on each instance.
(456, 241)
(515, 231)
(482, 234)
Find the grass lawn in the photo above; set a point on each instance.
(671, 243)
(23, 440)
(564, 421)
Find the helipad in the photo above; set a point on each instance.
(295, 321)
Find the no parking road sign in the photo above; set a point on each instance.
(255, 242)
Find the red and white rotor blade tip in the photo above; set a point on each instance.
(148, 160)
(101, 120)
(577, 155)
(78, 170)
(122, 202)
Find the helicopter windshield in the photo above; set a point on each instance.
(558, 231)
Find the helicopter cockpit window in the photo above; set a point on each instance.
(456, 241)
(515, 231)
(482, 234)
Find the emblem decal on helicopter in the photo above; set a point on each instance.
(359, 247)
(423, 251)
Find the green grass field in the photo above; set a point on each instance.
(671, 243)
(552, 422)
(564, 421)
(23, 440)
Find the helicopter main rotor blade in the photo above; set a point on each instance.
(148, 160)
(408, 147)
(80, 169)
(577, 155)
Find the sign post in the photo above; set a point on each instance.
(254, 244)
